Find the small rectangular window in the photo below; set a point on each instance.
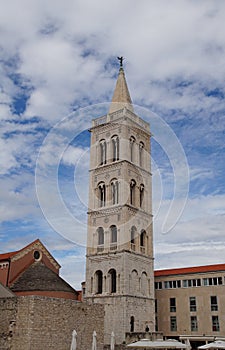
(214, 305)
(156, 306)
(194, 323)
(172, 304)
(173, 323)
(193, 306)
(185, 283)
(215, 324)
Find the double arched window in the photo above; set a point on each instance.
(102, 152)
(115, 148)
(101, 194)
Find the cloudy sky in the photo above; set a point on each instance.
(58, 71)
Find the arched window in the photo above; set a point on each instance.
(142, 187)
(142, 241)
(113, 230)
(132, 142)
(132, 192)
(99, 280)
(101, 190)
(132, 324)
(133, 234)
(112, 274)
(100, 236)
(102, 152)
(141, 151)
(115, 191)
(144, 283)
(134, 282)
(115, 148)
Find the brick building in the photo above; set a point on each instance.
(32, 270)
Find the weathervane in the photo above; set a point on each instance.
(121, 60)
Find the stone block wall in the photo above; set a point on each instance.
(35, 322)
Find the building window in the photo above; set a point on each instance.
(194, 323)
(101, 191)
(141, 150)
(214, 305)
(112, 274)
(215, 324)
(132, 324)
(132, 192)
(115, 191)
(212, 281)
(172, 304)
(100, 236)
(156, 324)
(132, 142)
(99, 278)
(102, 152)
(113, 233)
(142, 187)
(173, 323)
(115, 147)
(193, 306)
(142, 241)
(156, 306)
(158, 285)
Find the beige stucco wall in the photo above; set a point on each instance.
(183, 313)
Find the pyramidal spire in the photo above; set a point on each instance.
(121, 96)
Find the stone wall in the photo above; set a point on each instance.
(35, 322)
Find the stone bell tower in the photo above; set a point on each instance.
(119, 262)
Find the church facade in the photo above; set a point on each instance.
(119, 263)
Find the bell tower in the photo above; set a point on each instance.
(119, 260)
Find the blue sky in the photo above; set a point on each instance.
(58, 69)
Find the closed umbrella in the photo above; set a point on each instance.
(94, 341)
(112, 347)
(74, 340)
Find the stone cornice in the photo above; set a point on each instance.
(113, 210)
(116, 165)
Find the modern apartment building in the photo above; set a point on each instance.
(190, 303)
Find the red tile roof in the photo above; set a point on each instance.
(7, 256)
(190, 270)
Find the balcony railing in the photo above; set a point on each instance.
(100, 248)
(132, 246)
(142, 249)
(113, 246)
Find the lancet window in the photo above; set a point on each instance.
(102, 152)
(115, 148)
(132, 192)
(132, 142)
(115, 191)
(141, 151)
(102, 194)
(142, 187)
